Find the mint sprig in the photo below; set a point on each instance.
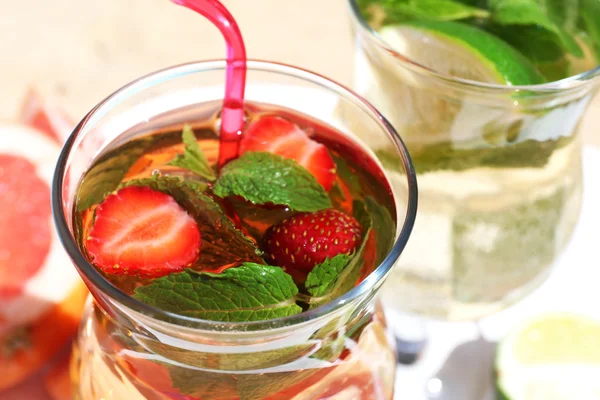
(336, 276)
(250, 292)
(222, 244)
(193, 158)
(529, 12)
(433, 10)
(264, 178)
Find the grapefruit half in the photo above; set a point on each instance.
(41, 294)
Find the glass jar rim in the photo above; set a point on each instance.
(92, 275)
(572, 82)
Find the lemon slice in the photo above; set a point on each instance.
(552, 357)
(461, 51)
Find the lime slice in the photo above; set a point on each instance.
(552, 357)
(462, 51)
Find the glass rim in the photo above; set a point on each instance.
(571, 82)
(107, 288)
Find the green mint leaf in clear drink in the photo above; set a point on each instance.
(209, 385)
(222, 244)
(433, 10)
(250, 292)
(541, 46)
(193, 159)
(528, 12)
(446, 156)
(323, 276)
(590, 14)
(519, 12)
(337, 279)
(560, 12)
(336, 194)
(172, 185)
(265, 178)
(259, 359)
(383, 227)
(349, 176)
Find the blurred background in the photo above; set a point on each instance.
(81, 51)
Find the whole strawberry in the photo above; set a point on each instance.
(307, 239)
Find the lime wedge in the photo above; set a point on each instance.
(552, 357)
(462, 51)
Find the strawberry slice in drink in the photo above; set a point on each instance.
(144, 232)
(280, 136)
(45, 116)
(41, 295)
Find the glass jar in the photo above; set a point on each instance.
(129, 350)
(499, 170)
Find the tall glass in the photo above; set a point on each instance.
(129, 350)
(499, 173)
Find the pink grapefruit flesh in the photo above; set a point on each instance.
(24, 214)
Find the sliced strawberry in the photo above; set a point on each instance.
(144, 232)
(45, 116)
(307, 239)
(280, 136)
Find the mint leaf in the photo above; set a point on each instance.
(264, 178)
(348, 176)
(208, 385)
(235, 362)
(323, 276)
(222, 244)
(432, 10)
(383, 226)
(536, 43)
(541, 46)
(590, 13)
(445, 156)
(519, 12)
(250, 292)
(175, 186)
(193, 158)
(336, 194)
(528, 12)
(338, 279)
(106, 173)
(203, 384)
